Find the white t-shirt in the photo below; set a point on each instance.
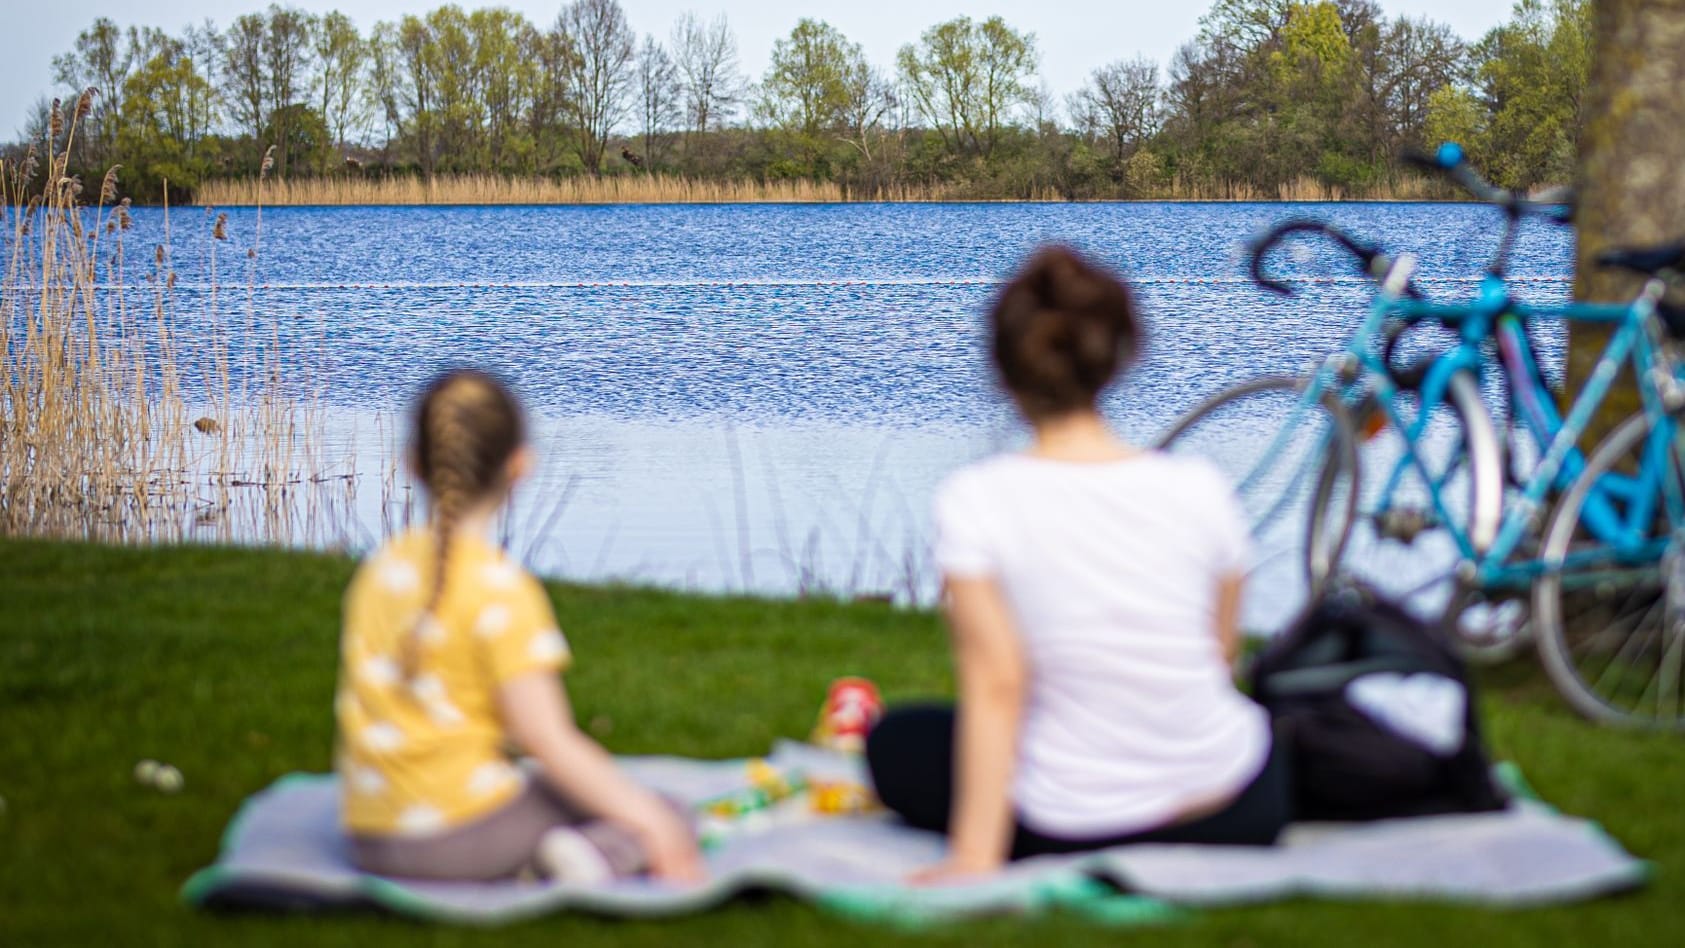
(1111, 572)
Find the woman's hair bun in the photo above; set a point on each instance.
(1062, 328)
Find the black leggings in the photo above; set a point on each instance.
(911, 756)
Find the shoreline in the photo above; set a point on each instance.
(801, 203)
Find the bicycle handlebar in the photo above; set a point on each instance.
(1374, 263)
(1450, 162)
(1556, 206)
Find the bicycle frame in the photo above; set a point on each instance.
(1489, 547)
(1632, 342)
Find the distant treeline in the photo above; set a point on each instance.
(1272, 98)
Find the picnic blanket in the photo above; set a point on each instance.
(284, 850)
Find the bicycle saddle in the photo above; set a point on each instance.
(1647, 260)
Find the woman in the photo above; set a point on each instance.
(1092, 592)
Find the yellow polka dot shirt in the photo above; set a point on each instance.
(425, 755)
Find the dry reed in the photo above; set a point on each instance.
(1304, 188)
(100, 437)
(490, 189)
(498, 189)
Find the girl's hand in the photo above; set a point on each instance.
(670, 847)
(538, 716)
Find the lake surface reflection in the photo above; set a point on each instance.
(755, 397)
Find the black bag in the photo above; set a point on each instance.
(1377, 713)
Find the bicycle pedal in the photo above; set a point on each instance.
(1403, 524)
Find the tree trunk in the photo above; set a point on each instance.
(1632, 163)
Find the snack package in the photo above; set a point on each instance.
(769, 800)
(840, 798)
(852, 706)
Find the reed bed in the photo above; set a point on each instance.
(1304, 188)
(115, 423)
(500, 189)
(490, 189)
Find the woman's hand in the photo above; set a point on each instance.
(954, 870)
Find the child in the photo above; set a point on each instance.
(449, 654)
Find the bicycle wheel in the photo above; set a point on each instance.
(1611, 622)
(1398, 543)
(1280, 450)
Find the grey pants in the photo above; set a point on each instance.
(499, 845)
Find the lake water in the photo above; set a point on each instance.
(758, 397)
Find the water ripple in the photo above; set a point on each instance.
(846, 341)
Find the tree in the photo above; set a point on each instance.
(1268, 93)
(966, 78)
(286, 46)
(1120, 106)
(1455, 115)
(37, 127)
(1245, 24)
(1532, 74)
(1198, 102)
(868, 98)
(552, 55)
(600, 79)
(202, 43)
(706, 56)
(805, 87)
(1313, 39)
(1630, 190)
(103, 60)
(1309, 70)
(1275, 90)
(448, 58)
(340, 58)
(301, 139)
(384, 82)
(505, 82)
(809, 87)
(658, 97)
(470, 83)
(244, 87)
(416, 89)
(167, 110)
(1418, 57)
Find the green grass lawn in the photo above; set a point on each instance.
(222, 662)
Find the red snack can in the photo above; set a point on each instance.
(852, 706)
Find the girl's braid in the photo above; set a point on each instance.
(452, 472)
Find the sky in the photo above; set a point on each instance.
(1074, 36)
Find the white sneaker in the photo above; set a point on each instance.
(567, 855)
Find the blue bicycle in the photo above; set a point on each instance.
(1326, 494)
